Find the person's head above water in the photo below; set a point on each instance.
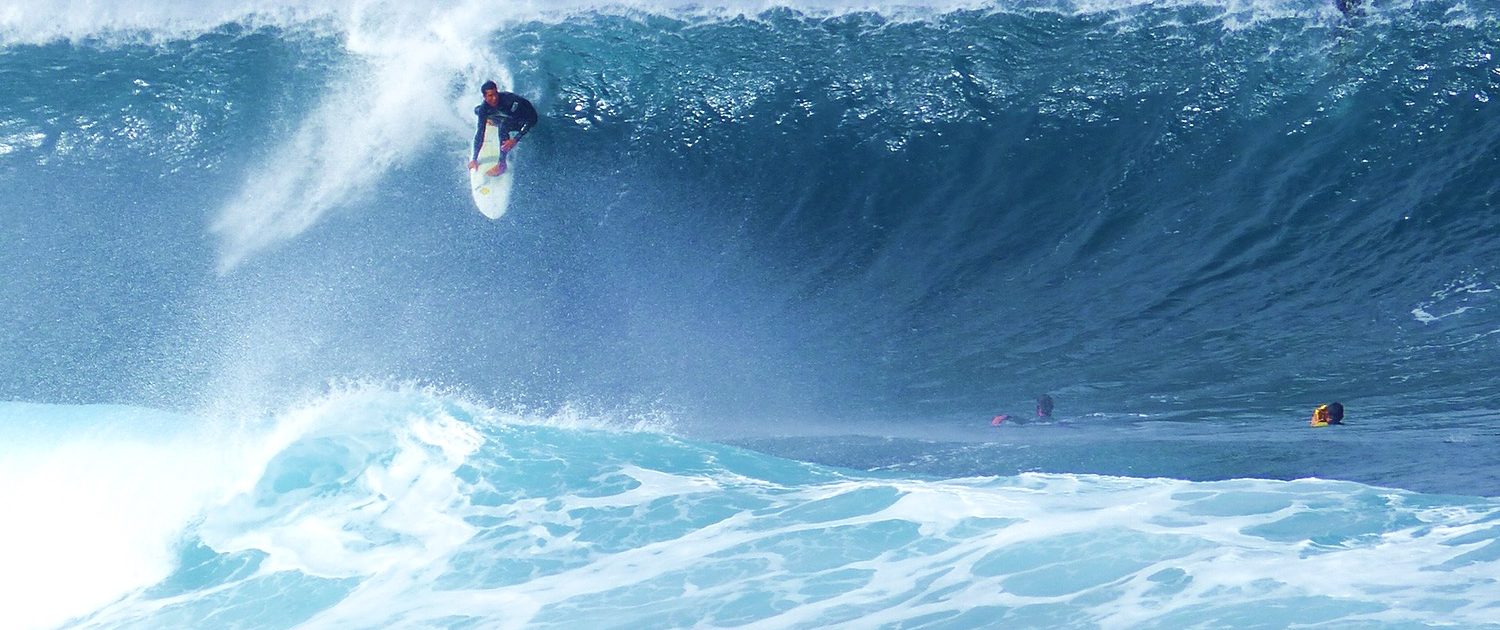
(491, 93)
(1044, 406)
(1331, 413)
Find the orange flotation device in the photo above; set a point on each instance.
(1320, 416)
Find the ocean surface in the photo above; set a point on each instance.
(730, 358)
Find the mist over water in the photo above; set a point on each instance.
(840, 235)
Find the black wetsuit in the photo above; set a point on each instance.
(514, 113)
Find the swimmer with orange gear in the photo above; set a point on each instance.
(1329, 414)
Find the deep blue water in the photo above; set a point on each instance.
(766, 275)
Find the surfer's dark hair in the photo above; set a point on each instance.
(488, 85)
(1044, 405)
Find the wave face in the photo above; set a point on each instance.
(842, 233)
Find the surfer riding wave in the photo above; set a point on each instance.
(509, 112)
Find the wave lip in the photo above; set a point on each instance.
(43, 21)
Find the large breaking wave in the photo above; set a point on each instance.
(843, 233)
(376, 508)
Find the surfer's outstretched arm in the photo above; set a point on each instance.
(478, 141)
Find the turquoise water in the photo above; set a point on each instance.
(378, 507)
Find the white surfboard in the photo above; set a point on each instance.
(491, 194)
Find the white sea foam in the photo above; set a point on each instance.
(36, 21)
(33, 21)
(374, 507)
(1456, 298)
(99, 497)
(96, 499)
(396, 99)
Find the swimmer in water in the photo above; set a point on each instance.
(1329, 414)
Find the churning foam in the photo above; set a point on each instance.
(397, 96)
(96, 498)
(377, 508)
(99, 498)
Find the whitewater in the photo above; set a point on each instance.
(731, 357)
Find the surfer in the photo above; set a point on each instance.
(1043, 412)
(507, 111)
(1329, 414)
(1350, 8)
(1044, 406)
